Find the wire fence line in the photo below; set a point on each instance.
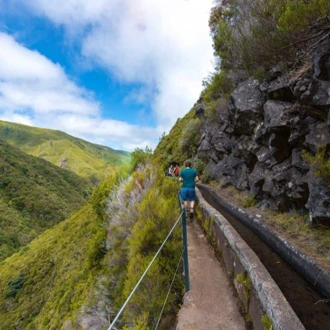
(169, 290)
(111, 327)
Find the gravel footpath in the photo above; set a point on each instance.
(210, 304)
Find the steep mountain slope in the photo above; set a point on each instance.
(84, 158)
(77, 274)
(34, 196)
(43, 285)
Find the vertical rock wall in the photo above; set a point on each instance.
(256, 142)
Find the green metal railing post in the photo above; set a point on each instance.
(185, 245)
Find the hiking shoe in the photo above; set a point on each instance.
(191, 213)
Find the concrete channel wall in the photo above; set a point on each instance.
(259, 295)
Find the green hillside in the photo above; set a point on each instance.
(77, 274)
(34, 196)
(51, 277)
(84, 158)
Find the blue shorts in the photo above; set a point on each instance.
(188, 194)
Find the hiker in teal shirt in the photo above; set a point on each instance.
(188, 177)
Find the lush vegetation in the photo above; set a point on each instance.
(44, 285)
(255, 35)
(77, 274)
(251, 37)
(181, 143)
(34, 196)
(140, 214)
(85, 159)
(320, 162)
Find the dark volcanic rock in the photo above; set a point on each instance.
(200, 110)
(255, 143)
(280, 89)
(321, 63)
(314, 93)
(319, 137)
(245, 105)
(318, 203)
(276, 114)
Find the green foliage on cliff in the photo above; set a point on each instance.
(86, 159)
(158, 212)
(182, 141)
(140, 157)
(140, 213)
(44, 285)
(251, 35)
(78, 273)
(34, 196)
(320, 162)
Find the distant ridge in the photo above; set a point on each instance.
(34, 196)
(86, 159)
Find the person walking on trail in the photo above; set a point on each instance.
(188, 176)
(169, 171)
(176, 170)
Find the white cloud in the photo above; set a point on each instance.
(163, 45)
(28, 80)
(35, 91)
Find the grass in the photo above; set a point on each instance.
(249, 201)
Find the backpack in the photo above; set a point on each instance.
(176, 171)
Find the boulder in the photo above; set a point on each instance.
(222, 142)
(246, 149)
(261, 135)
(318, 203)
(321, 63)
(200, 110)
(281, 188)
(280, 89)
(246, 107)
(277, 114)
(318, 137)
(314, 93)
(272, 156)
(300, 128)
(257, 179)
(239, 179)
(215, 141)
(298, 161)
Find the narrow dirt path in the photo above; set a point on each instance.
(210, 304)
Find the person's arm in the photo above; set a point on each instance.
(196, 178)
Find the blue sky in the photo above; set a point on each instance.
(114, 72)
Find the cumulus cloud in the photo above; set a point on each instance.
(163, 46)
(35, 91)
(29, 80)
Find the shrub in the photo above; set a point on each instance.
(15, 284)
(320, 163)
(250, 35)
(249, 201)
(140, 157)
(190, 137)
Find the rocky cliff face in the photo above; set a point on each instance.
(256, 141)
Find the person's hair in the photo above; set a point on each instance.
(188, 163)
